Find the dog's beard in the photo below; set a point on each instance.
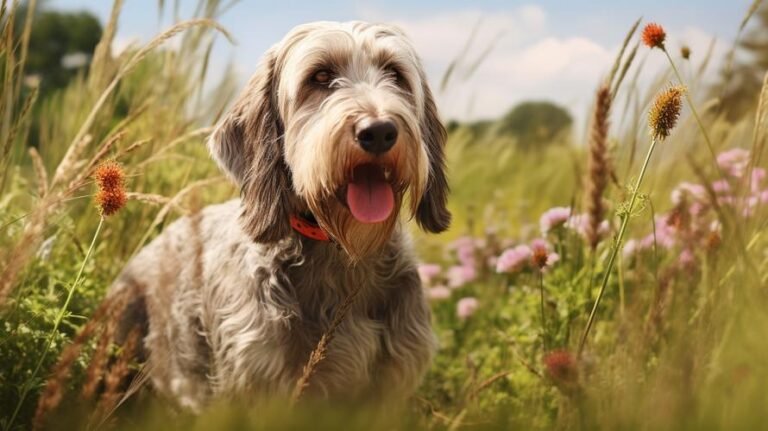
(358, 239)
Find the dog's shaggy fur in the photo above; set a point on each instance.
(235, 299)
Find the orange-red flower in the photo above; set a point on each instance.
(562, 367)
(654, 35)
(111, 196)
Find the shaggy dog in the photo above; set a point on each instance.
(335, 132)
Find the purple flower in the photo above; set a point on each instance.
(631, 247)
(686, 259)
(514, 259)
(465, 247)
(554, 218)
(428, 271)
(466, 307)
(438, 293)
(579, 223)
(734, 162)
(460, 275)
(665, 235)
(685, 190)
(721, 186)
(758, 175)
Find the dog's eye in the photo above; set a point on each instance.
(395, 75)
(322, 77)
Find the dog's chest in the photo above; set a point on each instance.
(266, 340)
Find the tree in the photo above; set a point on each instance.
(60, 45)
(535, 123)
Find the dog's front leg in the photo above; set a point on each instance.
(408, 343)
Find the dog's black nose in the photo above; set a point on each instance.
(378, 136)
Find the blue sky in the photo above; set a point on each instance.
(554, 49)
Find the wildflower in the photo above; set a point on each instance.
(653, 36)
(686, 259)
(561, 368)
(427, 272)
(438, 293)
(758, 175)
(685, 189)
(664, 234)
(665, 111)
(111, 196)
(631, 247)
(542, 257)
(514, 259)
(721, 186)
(734, 162)
(580, 223)
(466, 307)
(553, 218)
(685, 52)
(460, 275)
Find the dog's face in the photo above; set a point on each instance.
(338, 121)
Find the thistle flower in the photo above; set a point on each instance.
(553, 218)
(466, 307)
(685, 52)
(438, 293)
(561, 368)
(654, 35)
(541, 255)
(111, 196)
(513, 259)
(665, 111)
(459, 275)
(428, 271)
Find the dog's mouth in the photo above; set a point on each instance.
(369, 195)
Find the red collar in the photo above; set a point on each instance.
(308, 228)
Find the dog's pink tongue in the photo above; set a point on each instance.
(369, 195)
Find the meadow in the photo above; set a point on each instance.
(586, 283)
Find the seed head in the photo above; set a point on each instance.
(654, 35)
(685, 52)
(665, 111)
(111, 196)
(562, 368)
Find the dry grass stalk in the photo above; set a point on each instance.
(69, 163)
(115, 379)
(317, 355)
(94, 373)
(149, 198)
(54, 387)
(40, 173)
(597, 179)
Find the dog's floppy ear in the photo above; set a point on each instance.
(432, 214)
(247, 145)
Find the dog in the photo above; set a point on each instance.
(335, 133)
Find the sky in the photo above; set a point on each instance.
(556, 50)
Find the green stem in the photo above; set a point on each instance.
(54, 330)
(543, 318)
(616, 247)
(695, 113)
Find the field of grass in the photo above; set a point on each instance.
(677, 340)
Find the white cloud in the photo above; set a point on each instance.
(528, 60)
(525, 60)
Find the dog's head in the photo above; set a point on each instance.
(339, 121)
